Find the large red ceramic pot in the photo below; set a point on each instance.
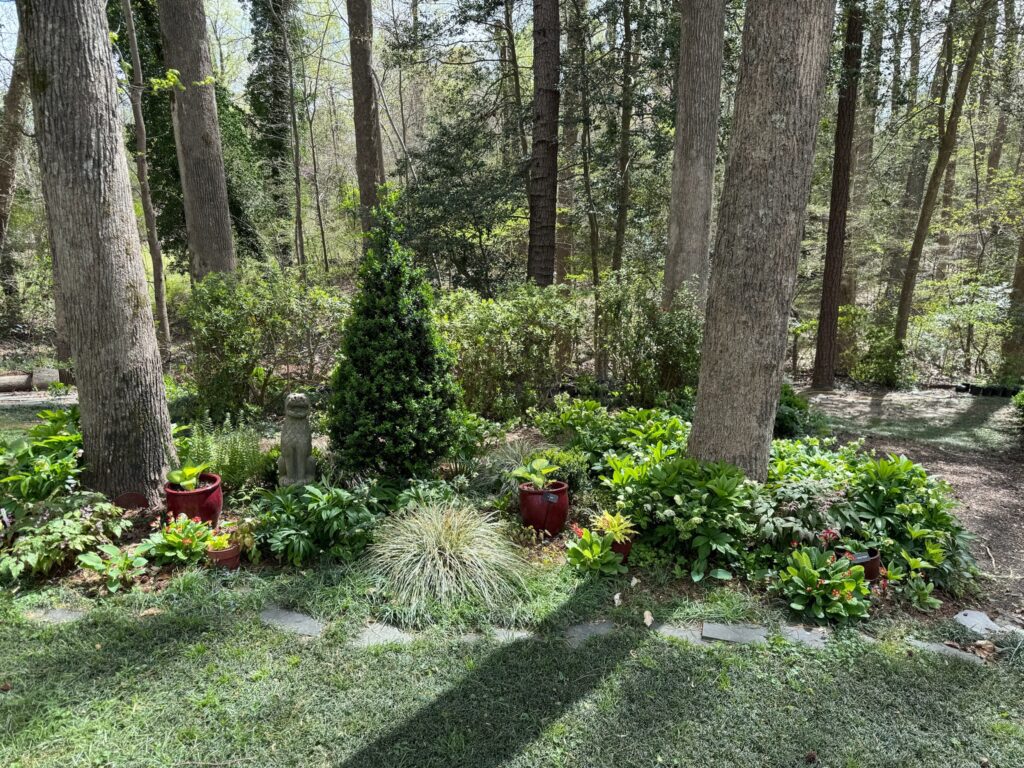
(545, 509)
(205, 502)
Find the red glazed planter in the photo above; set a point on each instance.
(225, 558)
(204, 503)
(544, 510)
(623, 548)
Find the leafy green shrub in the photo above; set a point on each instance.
(572, 466)
(394, 398)
(795, 417)
(822, 587)
(513, 352)
(256, 333)
(180, 542)
(45, 463)
(119, 568)
(38, 538)
(1018, 406)
(472, 437)
(298, 524)
(232, 452)
(434, 557)
(885, 363)
(592, 553)
(494, 469)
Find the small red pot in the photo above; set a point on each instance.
(204, 503)
(623, 548)
(871, 561)
(544, 510)
(225, 558)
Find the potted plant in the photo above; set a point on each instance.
(223, 550)
(620, 528)
(543, 503)
(193, 492)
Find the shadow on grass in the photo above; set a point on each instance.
(505, 703)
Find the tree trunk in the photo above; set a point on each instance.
(142, 171)
(293, 123)
(828, 318)
(564, 247)
(767, 184)
(698, 103)
(896, 91)
(946, 147)
(1013, 343)
(197, 137)
(11, 127)
(98, 273)
(1008, 71)
(517, 85)
(625, 137)
(543, 198)
(369, 165)
(869, 102)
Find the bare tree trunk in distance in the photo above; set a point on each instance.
(543, 188)
(293, 122)
(946, 146)
(369, 166)
(564, 247)
(760, 221)
(10, 143)
(625, 129)
(1013, 344)
(197, 137)
(98, 272)
(846, 120)
(698, 103)
(142, 171)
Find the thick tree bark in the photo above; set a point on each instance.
(1013, 343)
(625, 137)
(11, 128)
(1008, 71)
(142, 171)
(98, 271)
(946, 147)
(197, 137)
(369, 157)
(698, 103)
(764, 198)
(543, 197)
(828, 318)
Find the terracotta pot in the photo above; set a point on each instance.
(544, 510)
(205, 502)
(623, 548)
(871, 561)
(225, 558)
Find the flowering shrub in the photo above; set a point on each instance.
(822, 587)
(180, 542)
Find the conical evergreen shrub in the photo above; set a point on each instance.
(394, 396)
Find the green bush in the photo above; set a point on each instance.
(434, 557)
(232, 452)
(394, 399)
(256, 333)
(300, 524)
(822, 587)
(45, 463)
(515, 351)
(885, 363)
(795, 418)
(180, 542)
(1018, 406)
(573, 466)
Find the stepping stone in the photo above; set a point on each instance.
(691, 633)
(812, 637)
(511, 635)
(55, 615)
(945, 650)
(373, 635)
(577, 635)
(747, 634)
(290, 621)
(977, 621)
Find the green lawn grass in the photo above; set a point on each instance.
(189, 676)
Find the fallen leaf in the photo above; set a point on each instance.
(986, 649)
(5, 687)
(634, 581)
(617, 599)
(151, 612)
(648, 618)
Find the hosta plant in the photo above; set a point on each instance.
(822, 587)
(187, 477)
(536, 473)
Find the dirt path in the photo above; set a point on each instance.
(971, 442)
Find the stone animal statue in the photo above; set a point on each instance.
(295, 466)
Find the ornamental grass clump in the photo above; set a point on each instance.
(439, 556)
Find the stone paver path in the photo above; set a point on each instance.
(735, 633)
(290, 621)
(381, 634)
(578, 634)
(55, 615)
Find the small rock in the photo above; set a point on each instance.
(578, 634)
(290, 621)
(55, 615)
(511, 635)
(381, 634)
(753, 634)
(688, 632)
(977, 621)
(812, 637)
(945, 650)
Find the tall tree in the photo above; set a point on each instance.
(625, 136)
(98, 274)
(369, 163)
(698, 103)
(11, 126)
(767, 185)
(543, 188)
(1013, 342)
(142, 171)
(846, 120)
(947, 144)
(197, 136)
(270, 95)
